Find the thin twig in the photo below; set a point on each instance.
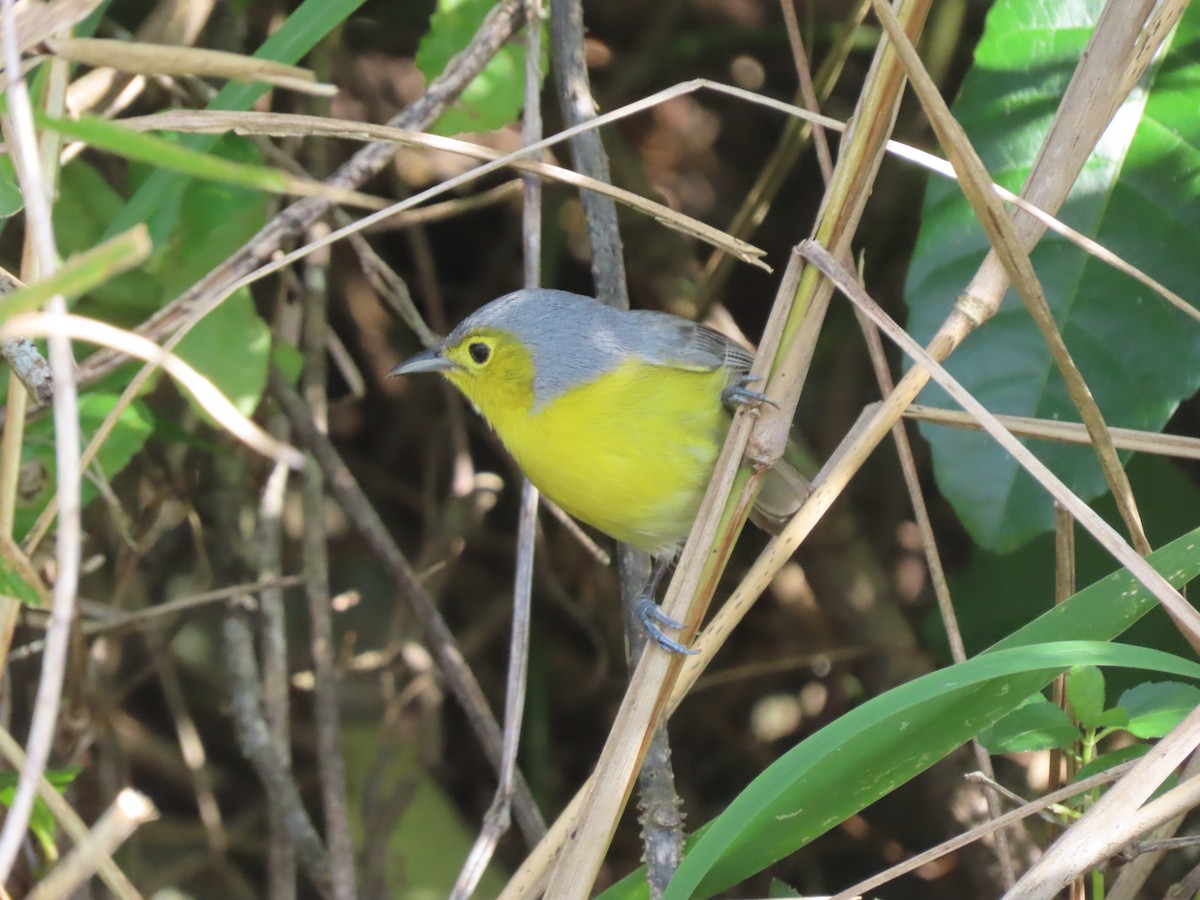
(234, 595)
(330, 765)
(255, 740)
(807, 91)
(498, 818)
(578, 108)
(281, 854)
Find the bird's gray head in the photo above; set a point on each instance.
(571, 339)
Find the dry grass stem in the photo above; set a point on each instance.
(285, 125)
(163, 59)
(1174, 445)
(202, 390)
(128, 812)
(1032, 808)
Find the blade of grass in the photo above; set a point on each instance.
(177, 158)
(82, 272)
(307, 25)
(879, 745)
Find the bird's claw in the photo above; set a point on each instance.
(654, 620)
(739, 394)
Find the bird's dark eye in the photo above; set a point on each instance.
(479, 352)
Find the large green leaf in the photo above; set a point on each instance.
(1037, 724)
(497, 94)
(12, 201)
(232, 346)
(1137, 195)
(1155, 708)
(888, 740)
(875, 748)
(995, 595)
(210, 222)
(86, 205)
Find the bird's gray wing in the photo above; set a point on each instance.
(666, 340)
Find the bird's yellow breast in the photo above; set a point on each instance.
(630, 453)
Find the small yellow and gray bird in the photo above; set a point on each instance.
(618, 416)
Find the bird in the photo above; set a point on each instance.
(616, 415)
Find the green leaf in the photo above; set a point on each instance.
(13, 585)
(168, 154)
(289, 360)
(1085, 690)
(1100, 612)
(232, 347)
(41, 820)
(1106, 761)
(1036, 725)
(995, 595)
(876, 747)
(81, 272)
(1116, 717)
(132, 429)
(1137, 195)
(211, 221)
(1155, 708)
(12, 201)
(496, 96)
(309, 23)
(86, 204)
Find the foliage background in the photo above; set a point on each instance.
(849, 619)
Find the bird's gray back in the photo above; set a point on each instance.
(574, 339)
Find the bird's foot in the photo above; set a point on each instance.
(739, 394)
(654, 620)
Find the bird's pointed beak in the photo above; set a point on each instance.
(427, 361)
